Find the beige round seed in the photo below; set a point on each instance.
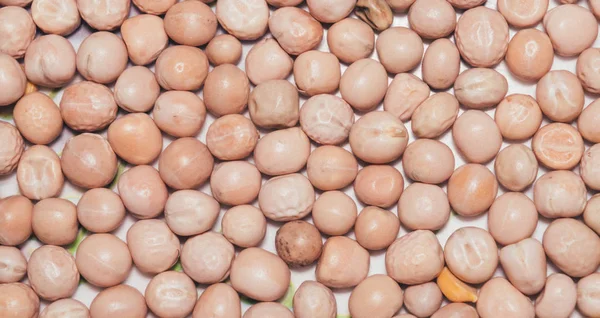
(100, 210)
(16, 213)
(364, 84)
(190, 23)
(182, 68)
(334, 213)
(38, 118)
(478, 50)
(377, 295)
(282, 151)
(423, 300)
(378, 137)
(330, 11)
(20, 299)
(523, 14)
(50, 61)
(472, 189)
(587, 71)
(135, 138)
(559, 194)
(586, 123)
(94, 13)
(379, 185)
(512, 218)
(343, 263)
(206, 258)
(376, 228)
(405, 93)
(432, 19)
(351, 40)
(259, 274)
(179, 113)
(516, 167)
(317, 72)
(423, 207)
(157, 7)
(428, 161)
(563, 21)
(244, 226)
(588, 301)
(218, 301)
(399, 49)
(246, 20)
(55, 221)
(331, 168)
(171, 294)
(567, 243)
(276, 203)
(145, 38)
(559, 297)
(65, 307)
(476, 136)
(56, 17)
(186, 163)
(274, 104)
(295, 30)
(191, 212)
(52, 273)
(13, 265)
(223, 49)
(326, 119)
(518, 117)
(441, 64)
(102, 57)
(471, 254)
(235, 182)
(103, 260)
(530, 54)
(120, 300)
(558, 146)
(266, 61)
(136, 89)
(87, 106)
(498, 298)
(524, 263)
(153, 247)
(415, 258)
(313, 299)
(480, 88)
(16, 31)
(88, 161)
(143, 192)
(560, 96)
(39, 174)
(435, 115)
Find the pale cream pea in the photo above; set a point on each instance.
(224, 48)
(226, 90)
(206, 258)
(235, 182)
(435, 115)
(274, 104)
(135, 138)
(100, 210)
(331, 168)
(476, 136)
(317, 72)
(524, 263)
(480, 88)
(186, 163)
(295, 30)
(145, 38)
(282, 151)
(179, 113)
(326, 119)
(379, 185)
(16, 213)
(55, 221)
(471, 254)
(286, 198)
(343, 263)
(120, 300)
(481, 35)
(218, 301)
(351, 40)
(39, 173)
(102, 57)
(334, 213)
(38, 118)
(50, 61)
(244, 226)
(13, 265)
(191, 212)
(191, 23)
(232, 137)
(378, 137)
(428, 161)
(423, 207)
(558, 299)
(399, 49)
(415, 258)
(88, 106)
(16, 31)
(376, 228)
(512, 218)
(103, 260)
(405, 93)
(472, 189)
(260, 274)
(136, 89)
(153, 247)
(52, 272)
(171, 295)
(143, 192)
(266, 61)
(377, 295)
(423, 300)
(441, 64)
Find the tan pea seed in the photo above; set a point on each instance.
(93, 12)
(186, 163)
(441, 64)
(224, 48)
(39, 173)
(558, 146)
(120, 300)
(351, 40)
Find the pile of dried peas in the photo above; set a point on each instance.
(290, 160)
